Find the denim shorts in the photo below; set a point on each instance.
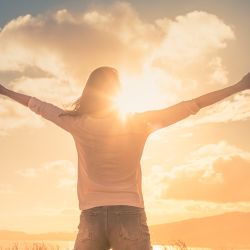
(117, 227)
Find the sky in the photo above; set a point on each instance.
(166, 52)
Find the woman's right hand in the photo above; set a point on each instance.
(2, 89)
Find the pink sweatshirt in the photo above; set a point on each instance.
(110, 149)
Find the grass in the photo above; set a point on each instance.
(31, 246)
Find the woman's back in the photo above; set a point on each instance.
(109, 152)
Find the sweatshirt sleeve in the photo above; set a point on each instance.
(51, 113)
(153, 120)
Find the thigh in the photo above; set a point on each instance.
(91, 235)
(130, 229)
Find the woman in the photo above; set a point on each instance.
(109, 152)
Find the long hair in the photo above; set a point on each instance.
(102, 85)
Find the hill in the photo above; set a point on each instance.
(225, 230)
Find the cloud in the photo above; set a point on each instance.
(233, 109)
(62, 172)
(219, 73)
(49, 88)
(45, 192)
(169, 210)
(190, 38)
(6, 189)
(28, 172)
(67, 44)
(225, 181)
(14, 115)
(51, 55)
(216, 173)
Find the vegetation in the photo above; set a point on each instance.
(31, 246)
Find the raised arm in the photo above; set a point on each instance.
(46, 110)
(216, 96)
(156, 119)
(21, 98)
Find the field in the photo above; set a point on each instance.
(68, 245)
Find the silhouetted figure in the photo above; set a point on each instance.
(109, 152)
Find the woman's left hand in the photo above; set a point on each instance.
(245, 82)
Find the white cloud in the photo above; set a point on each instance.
(215, 172)
(210, 152)
(14, 115)
(190, 38)
(212, 173)
(219, 73)
(213, 180)
(28, 172)
(6, 189)
(161, 211)
(232, 109)
(63, 172)
(67, 46)
(46, 88)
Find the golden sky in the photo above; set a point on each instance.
(198, 167)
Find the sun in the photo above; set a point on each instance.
(130, 100)
(138, 94)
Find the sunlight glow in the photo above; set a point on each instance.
(158, 247)
(139, 94)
